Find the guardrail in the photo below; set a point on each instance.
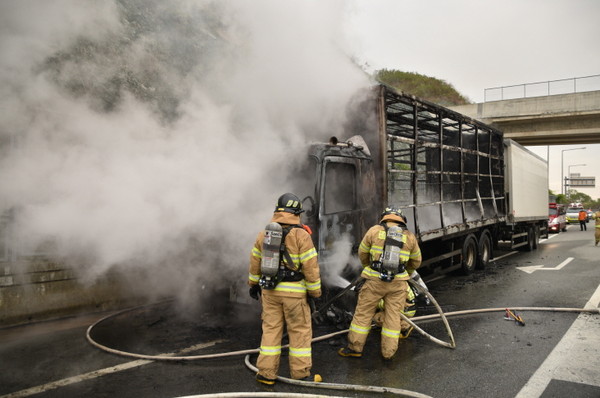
(541, 89)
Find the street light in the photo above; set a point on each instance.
(562, 169)
(569, 168)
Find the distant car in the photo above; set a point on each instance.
(573, 215)
(590, 214)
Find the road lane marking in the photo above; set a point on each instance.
(504, 255)
(101, 372)
(532, 268)
(576, 357)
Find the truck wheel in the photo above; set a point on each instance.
(536, 237)
(469, 254)
(485, 250)
(530, 246)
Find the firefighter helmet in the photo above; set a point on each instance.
(394, 211)
(290, 203)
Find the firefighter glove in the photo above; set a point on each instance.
(317, 303)
(254, 291)
(359, 285)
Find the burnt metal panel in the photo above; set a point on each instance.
(445, 169)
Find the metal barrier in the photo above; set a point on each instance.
(540, 89)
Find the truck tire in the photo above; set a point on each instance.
(469, 254)
(530, 246)
(485, 250)
(536, 237)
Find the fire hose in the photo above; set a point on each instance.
(440, 313)
(344, 387)
(347, 387)
(318, 312)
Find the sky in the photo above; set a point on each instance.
(155, 137)
(480, 44)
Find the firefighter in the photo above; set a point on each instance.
(284, 269)
(389, 253)
(596, 217)
(409, 310)
(582, 220)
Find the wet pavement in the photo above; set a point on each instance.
(493, 357)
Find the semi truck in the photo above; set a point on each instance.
(462, 186)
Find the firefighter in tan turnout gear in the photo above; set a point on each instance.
(389, 253)
(596, 216)
(284, 266)
(409, 310)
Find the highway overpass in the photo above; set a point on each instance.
(563, 119)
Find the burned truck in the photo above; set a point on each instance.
(463, 188)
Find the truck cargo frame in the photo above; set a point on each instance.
(452, 176)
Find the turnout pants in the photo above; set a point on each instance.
(278, 312)
(380, 316)
(372, 291)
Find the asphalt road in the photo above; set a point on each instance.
(556, 354)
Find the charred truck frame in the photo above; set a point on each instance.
(461, 185)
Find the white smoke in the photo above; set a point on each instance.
(156, 136)
(338, 262)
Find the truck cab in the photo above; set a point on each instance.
(338, 198)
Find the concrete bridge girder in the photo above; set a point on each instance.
(554, 130)
(553, 120)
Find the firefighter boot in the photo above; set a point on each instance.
(316, 378)
(262, 379)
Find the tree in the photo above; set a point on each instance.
(425, 87)
(562, 199)
(557, 198)
(152, 58)
(584, 199)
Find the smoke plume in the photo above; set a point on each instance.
(156, 136)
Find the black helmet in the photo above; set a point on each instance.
(394, 211)
(290, 203)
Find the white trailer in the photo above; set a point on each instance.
(526, 190)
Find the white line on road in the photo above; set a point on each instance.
(532, 268)
(576, 358)
(505, 255)
(97, 373)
